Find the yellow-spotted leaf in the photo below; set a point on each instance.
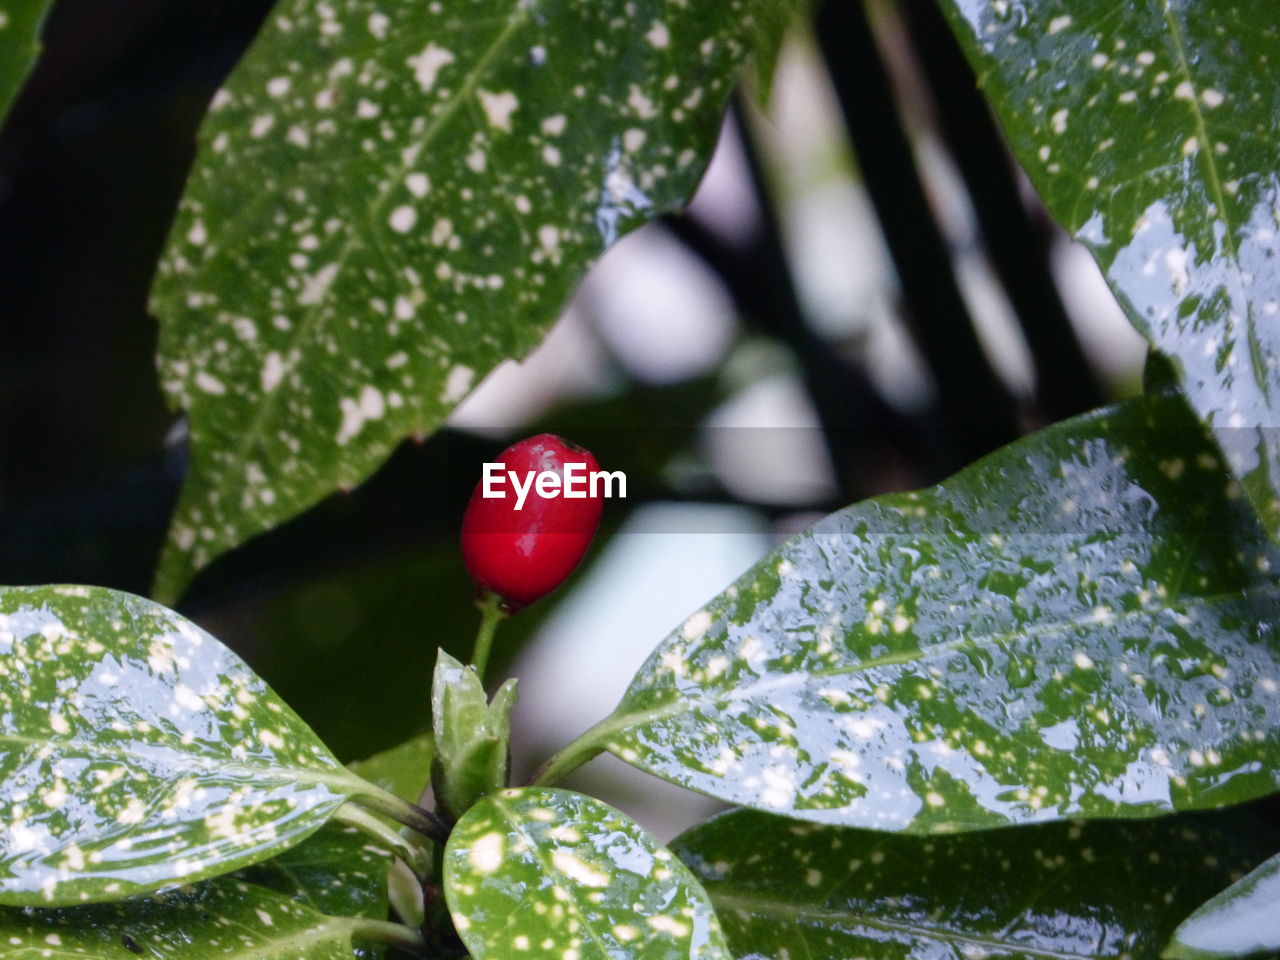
(390, 199)
(544, 874)
(1083, 624)
(1149, 128)
(137, 751)
(1060, 891)
(337, 870)
(221, 919)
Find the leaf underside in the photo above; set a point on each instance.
(1149, 128)
(541, 873)
(1062, 890)
(136, 751)
(1082, 624)
(392, 198)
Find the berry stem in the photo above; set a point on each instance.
(491, 614)
(587, 747)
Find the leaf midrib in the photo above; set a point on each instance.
(194, 762)
(1202, 132)
(1257, 362)
(685, 704)
(328, 929)
(303, 330)
(806, 912)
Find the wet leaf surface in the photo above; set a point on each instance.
(390, 200)
(20, 22)
(543, 873)
(1082, 624)
(1149, 129)
(136, 751)
(1062, 890)
(1240, 921)
(221, 918)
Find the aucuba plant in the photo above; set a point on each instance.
(157, 794)
(1032, 711)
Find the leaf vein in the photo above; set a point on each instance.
(807, 913)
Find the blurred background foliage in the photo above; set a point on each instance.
(864, 296)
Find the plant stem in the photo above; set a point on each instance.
(587, 747)
(388, 933)
(437, 924)
(413, 854)
(596, 740)
(491, 614)
(429, 824)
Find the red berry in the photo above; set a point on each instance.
(524, 554)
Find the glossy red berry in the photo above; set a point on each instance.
(523, 554)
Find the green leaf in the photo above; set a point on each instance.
(546, 873)
(137, 751)
(1149, 129)
(337, 870)
(1243, 919)
(389, 201)
(1062, 890)
(1082, 624)
(472, 736)
(20, 23)
(404, 770)
(221, 918)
